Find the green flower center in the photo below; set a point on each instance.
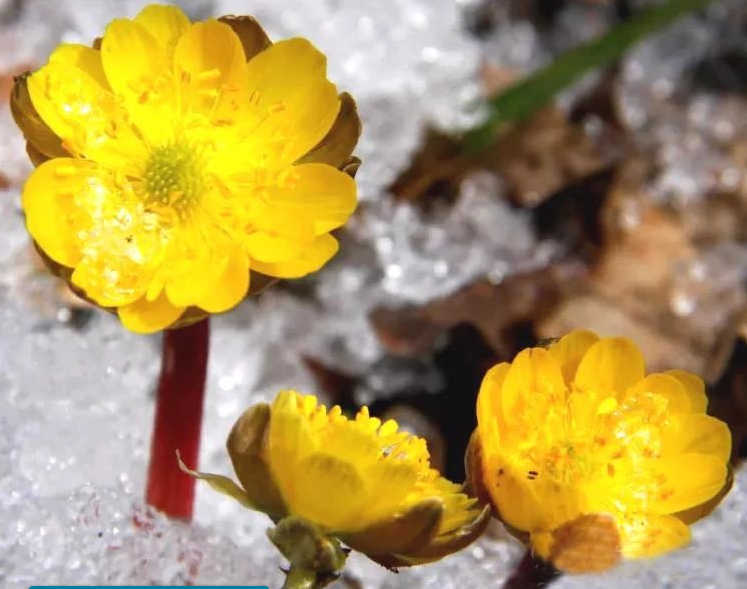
(174, 176)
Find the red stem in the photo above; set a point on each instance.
(178, 419)
(532, 573)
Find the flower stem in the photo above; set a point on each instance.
(298, 578)
(178, 419)
(531, 573)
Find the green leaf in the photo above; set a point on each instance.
(528, 95)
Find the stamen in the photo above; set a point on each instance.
(212, 74)
(174, 178)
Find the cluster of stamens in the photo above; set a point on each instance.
(174, 177)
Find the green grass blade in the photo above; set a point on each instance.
(526, 96)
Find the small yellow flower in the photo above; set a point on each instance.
(580, 452)
(360, 480)
(175, 157)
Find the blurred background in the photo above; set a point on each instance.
(621, 208)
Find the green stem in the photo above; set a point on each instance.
(298, 578)
(526, 96)
(315, 558)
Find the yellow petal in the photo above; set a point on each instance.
(664, 385)
(144, 316)
(139, 69)
(132, 57)
(613, 363)
(53, 217)
(291, 99)
(230, 286)
(270, 249)
(288, 441)
(315, 200)
(532, 383)
(165, 24)
(203, 267)
(697, 432)
(83, 58)
(489, 397)
(685, 481)
(86, 116)
(694, 387)
(332, 493)
(649, 536)
(210, 68)
(312, 258)
(569, 350)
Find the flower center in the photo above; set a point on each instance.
(586, 436)
(174, 177)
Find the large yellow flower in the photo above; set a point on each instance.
(575, 444)
(175, 157)
(360, 480)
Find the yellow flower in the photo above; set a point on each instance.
(360, 480)
(575, 443)
(175, 157)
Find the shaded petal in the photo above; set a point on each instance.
(338, 144)
(312, 258)
(570, 349)
(473, 467)
(245, 447)
(685, 481)
(696, 432)
(404, 533)
(700, 511)
(43, 143)
(613, 363)
(331, 494)
(449, 543)
(694, 387)
(514, 498)
(653, 535)
(292, 104)
(53, 215)
(389, 482)
(145, 316)
(251, 34)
